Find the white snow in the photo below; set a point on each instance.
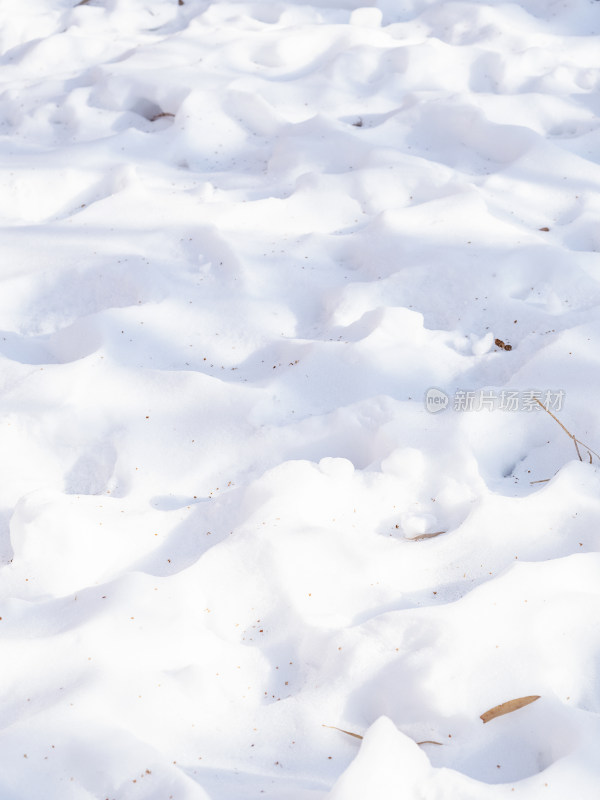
(281, 281)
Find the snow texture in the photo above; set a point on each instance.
(282, 282)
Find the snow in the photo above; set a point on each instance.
(281, 283)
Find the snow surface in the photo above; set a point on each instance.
(242, 244)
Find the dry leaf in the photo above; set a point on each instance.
(423, 536)
(161, 115)
(341, 730)
(510, 705)
(358, 736)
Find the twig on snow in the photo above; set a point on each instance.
(576, 441)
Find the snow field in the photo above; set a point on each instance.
(240, 242)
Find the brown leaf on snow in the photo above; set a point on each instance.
(422, 536)
(341, 730)
(510, 705)
(358, 736)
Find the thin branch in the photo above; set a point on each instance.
(589, 449)
(569, 434)
(576, 441)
